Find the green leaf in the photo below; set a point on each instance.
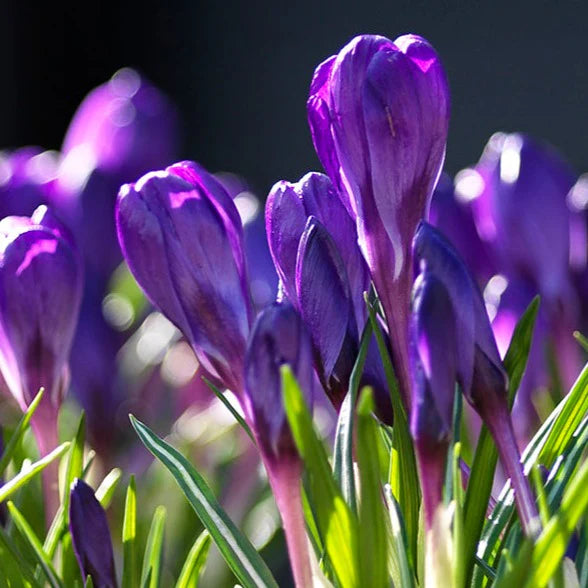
(34, 543)
(459, 565)
(19, 432)
(195, 562)
(337, 523)
(74, 465)
(240, 555)
(404, 479)
(30, 472)
(581, 339)
(106, 490)
(402, 573)
(230, 407)
(551, 545)
(373, 542)
(129, 537)
(151, 574)
(574, 446)
(10, 556)
(343, 451)
(486, 456)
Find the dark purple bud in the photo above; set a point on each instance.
(90, 536)
(278, 338)
(479, 368)
(40, 292)
(124, 127)
(522, 175)
(384, 109)
(181, 236)
(433, 253)
(287, 210)
(26, 176)
(434, 373)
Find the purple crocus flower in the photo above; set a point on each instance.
(90, 536)
(41, 283)
(378, 113)
(434, 373)
(279, 338)
(181, 236)
(313, 242)
(520, 174)
(124, 127)
(479, 369)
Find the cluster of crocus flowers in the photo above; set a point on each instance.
(182, 237)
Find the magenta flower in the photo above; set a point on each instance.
(182, 238)
(378, 113)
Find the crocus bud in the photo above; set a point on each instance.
(41, 284)
(313, 242)
(280, 338)
(434, 373)
(90, 536)
(522, 210)
(181, 236)
(379, 115)
(125, 127)
(479, 369)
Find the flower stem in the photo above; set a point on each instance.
(44, 425)
(500, 427)
(284, 476)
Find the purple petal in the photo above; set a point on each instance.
(90, 536)
(324, 298)
(285, 219)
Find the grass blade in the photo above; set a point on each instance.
(151, 574)
(106, 490)
(129, 536)
(343, 451)
(29, 535)
(25, 475)
(230, 407)
(404, 479)
(19, 432)
(240, 555)
(337, 524)
(195, 562)
(373, 542)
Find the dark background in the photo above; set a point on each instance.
(239, 71)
